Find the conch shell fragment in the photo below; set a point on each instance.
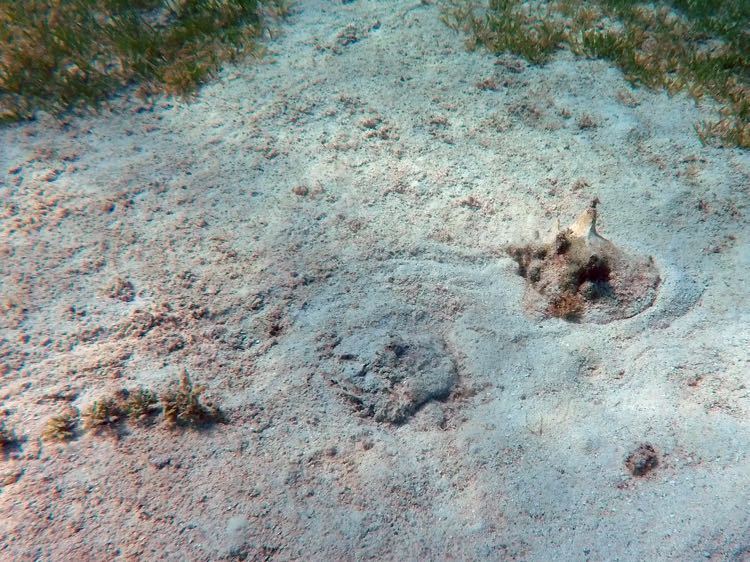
(582, 276)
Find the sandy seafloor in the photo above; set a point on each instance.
(282, 230)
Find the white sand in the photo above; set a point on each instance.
(409, 182)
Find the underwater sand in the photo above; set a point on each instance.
(330, 223)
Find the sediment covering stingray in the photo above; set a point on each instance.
(388, 374)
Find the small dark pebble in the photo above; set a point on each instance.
(643, 460)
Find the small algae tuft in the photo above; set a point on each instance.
(183, 405)
(102, 413)
(140, 404)
(61, 427)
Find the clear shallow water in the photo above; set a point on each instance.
(383, 271)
